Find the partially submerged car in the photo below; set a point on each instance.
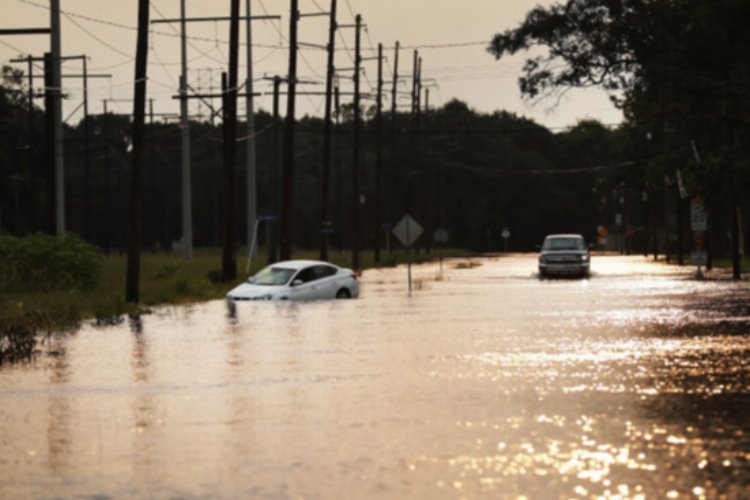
(298, 280)
(564, 255)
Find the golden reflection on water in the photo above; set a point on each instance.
(486, 383)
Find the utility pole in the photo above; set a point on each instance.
(275, 167)
(49, 129)
(355, 148)
(415, 84)
(85, 76)
(107, 214)
(187, 190)
(151, 195)
(394, 91)
(87, 154)
(339, 198)
(229, 257)
(287, 193)
(57, 137)
(139, 109)
(378, 153)
(394, 123)
(418, 103)
(324, 222)
(252, 190)
(187, 217)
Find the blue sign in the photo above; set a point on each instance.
(267, 218)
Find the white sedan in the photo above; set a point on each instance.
(298, 280)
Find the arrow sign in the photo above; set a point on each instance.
(407, 230)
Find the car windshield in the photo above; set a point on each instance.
(564, 244)
(272, 276)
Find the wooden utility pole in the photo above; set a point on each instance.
(187, 217)
(275, 167)
(394, 91)
(139, 110)
(185, 168)
(251, 182)
(339, 197)
(414, 83)
(229, 255)
(325, 223)
(86, 152)
(355, 147)
(107, 211)
(394, 123)
(287, 192)
(378, 154)
(56, 90)
(49, 151)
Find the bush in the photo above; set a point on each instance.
(40, 262)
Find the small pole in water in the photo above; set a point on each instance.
(408, 254)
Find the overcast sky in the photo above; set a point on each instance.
(451, 36)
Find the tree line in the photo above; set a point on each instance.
(678, 69)
(466, 171)
(675, 67)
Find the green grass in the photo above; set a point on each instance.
(165, 278)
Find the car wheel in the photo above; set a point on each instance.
(343, 294)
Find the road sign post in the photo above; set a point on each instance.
(441, 236)
(407, 231)
(699, 226)
(506, 235)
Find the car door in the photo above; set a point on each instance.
(327, 282)
(307, 285)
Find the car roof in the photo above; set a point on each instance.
(299, 264)
(555, 236)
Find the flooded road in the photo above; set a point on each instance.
(486, 383)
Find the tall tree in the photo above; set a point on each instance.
(678, 68)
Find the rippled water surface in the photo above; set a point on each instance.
(487, 382)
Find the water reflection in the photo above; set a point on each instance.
(485, 383)
(59, 408)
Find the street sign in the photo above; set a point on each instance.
(441, 235)
(699, 239)
(698, 216)
(699, 257)
(407, 231)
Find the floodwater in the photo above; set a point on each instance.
(486, 383)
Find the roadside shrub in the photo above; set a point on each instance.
(40, 262)
(17, 343)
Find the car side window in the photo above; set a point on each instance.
(324, 271)
(307, 275)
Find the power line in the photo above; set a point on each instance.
(68, 14)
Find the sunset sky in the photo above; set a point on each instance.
(451, 36)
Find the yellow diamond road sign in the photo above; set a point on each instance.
(407, 230)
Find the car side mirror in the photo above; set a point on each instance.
(297, 282)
